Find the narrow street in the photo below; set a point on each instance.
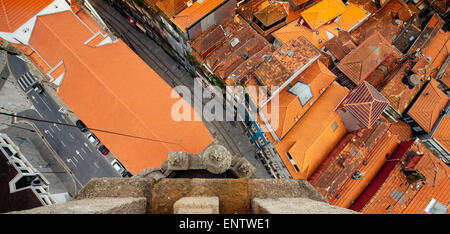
(229, 133)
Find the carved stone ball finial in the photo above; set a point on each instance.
(216, 158)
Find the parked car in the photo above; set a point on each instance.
(38, 88)
(81, 126)
(119, 167)
(93, 139)
(103, 150)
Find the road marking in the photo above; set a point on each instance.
(34, 99)
(95, 164)
(78, 152)
(70, 160)
(84, 151)
(48, 132)
(86, 145)
(70, 134)
(56, 126)
(51, 129)
(75, 159)
(62, 142)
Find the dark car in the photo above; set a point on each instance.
(38, 88)
(81, 126)
(103, 150)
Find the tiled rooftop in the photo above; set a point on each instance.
(14, 14)
(402, 88)
(322, 12)
(397, 195)
(195, 12)
(170, 7)
(241, 44)
(310, 141)
(290, 58)
(442, 134)
(317, 38)
(366, 104)
(428, 106)
(272, 13)
(362, 61)
(341, 45)
(388, 20)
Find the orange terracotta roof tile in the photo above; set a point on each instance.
(426, 110)
(366, 104)
(402, 130)
(442, 134)
(352, 17)
(290, 58)
(14, 13)
(170, 7)
(100, 87)
(322, 12)
(362, 61)
(195, 12)
(271, 13)
(402, 89)
(340, 45)
(388, 20)
(397, 195)
(334, 174)
(290, 110)
(241, 44)
(317, 38)
(315, 135)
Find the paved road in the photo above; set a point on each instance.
(230, 133)
(80, 156)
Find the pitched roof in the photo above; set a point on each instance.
(100, 86)
(170, 7)
(287, 60)
(194, 13)
(442, 134)
(14, 13)
(341, 45)
(352, 17)
(272, 13)
(428, 106)
(334, 176)
(317, 38)
(310, 141)
(366, 104)
(322, 12)
(398, 196)
(290, 110)
(400, 91)
(362, 61)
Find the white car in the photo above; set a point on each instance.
(118, 166)
(93, 139)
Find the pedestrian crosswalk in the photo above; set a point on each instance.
(26, 81)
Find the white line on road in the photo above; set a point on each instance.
(56, 126)
(70, 134)
(70, 160)
(95, 164)
(75, 159)
(62, 142)
(86, 145)
(51, 129)
(48, 132)
(84, 151)
(78, 152)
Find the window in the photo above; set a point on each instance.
(435, 207)
(302, 91)
(335, 126)
(8, 151)
(296, 168)
(289, 155)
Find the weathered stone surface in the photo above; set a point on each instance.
(101, 205)
(272, 188)
(152, 172)
(216, 158)
(242, 168)
(177, 161)
(196, 205)
(295, 206)
(232, 193)
(116, 187)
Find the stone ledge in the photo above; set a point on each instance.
(295, 206)
(101, 205)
